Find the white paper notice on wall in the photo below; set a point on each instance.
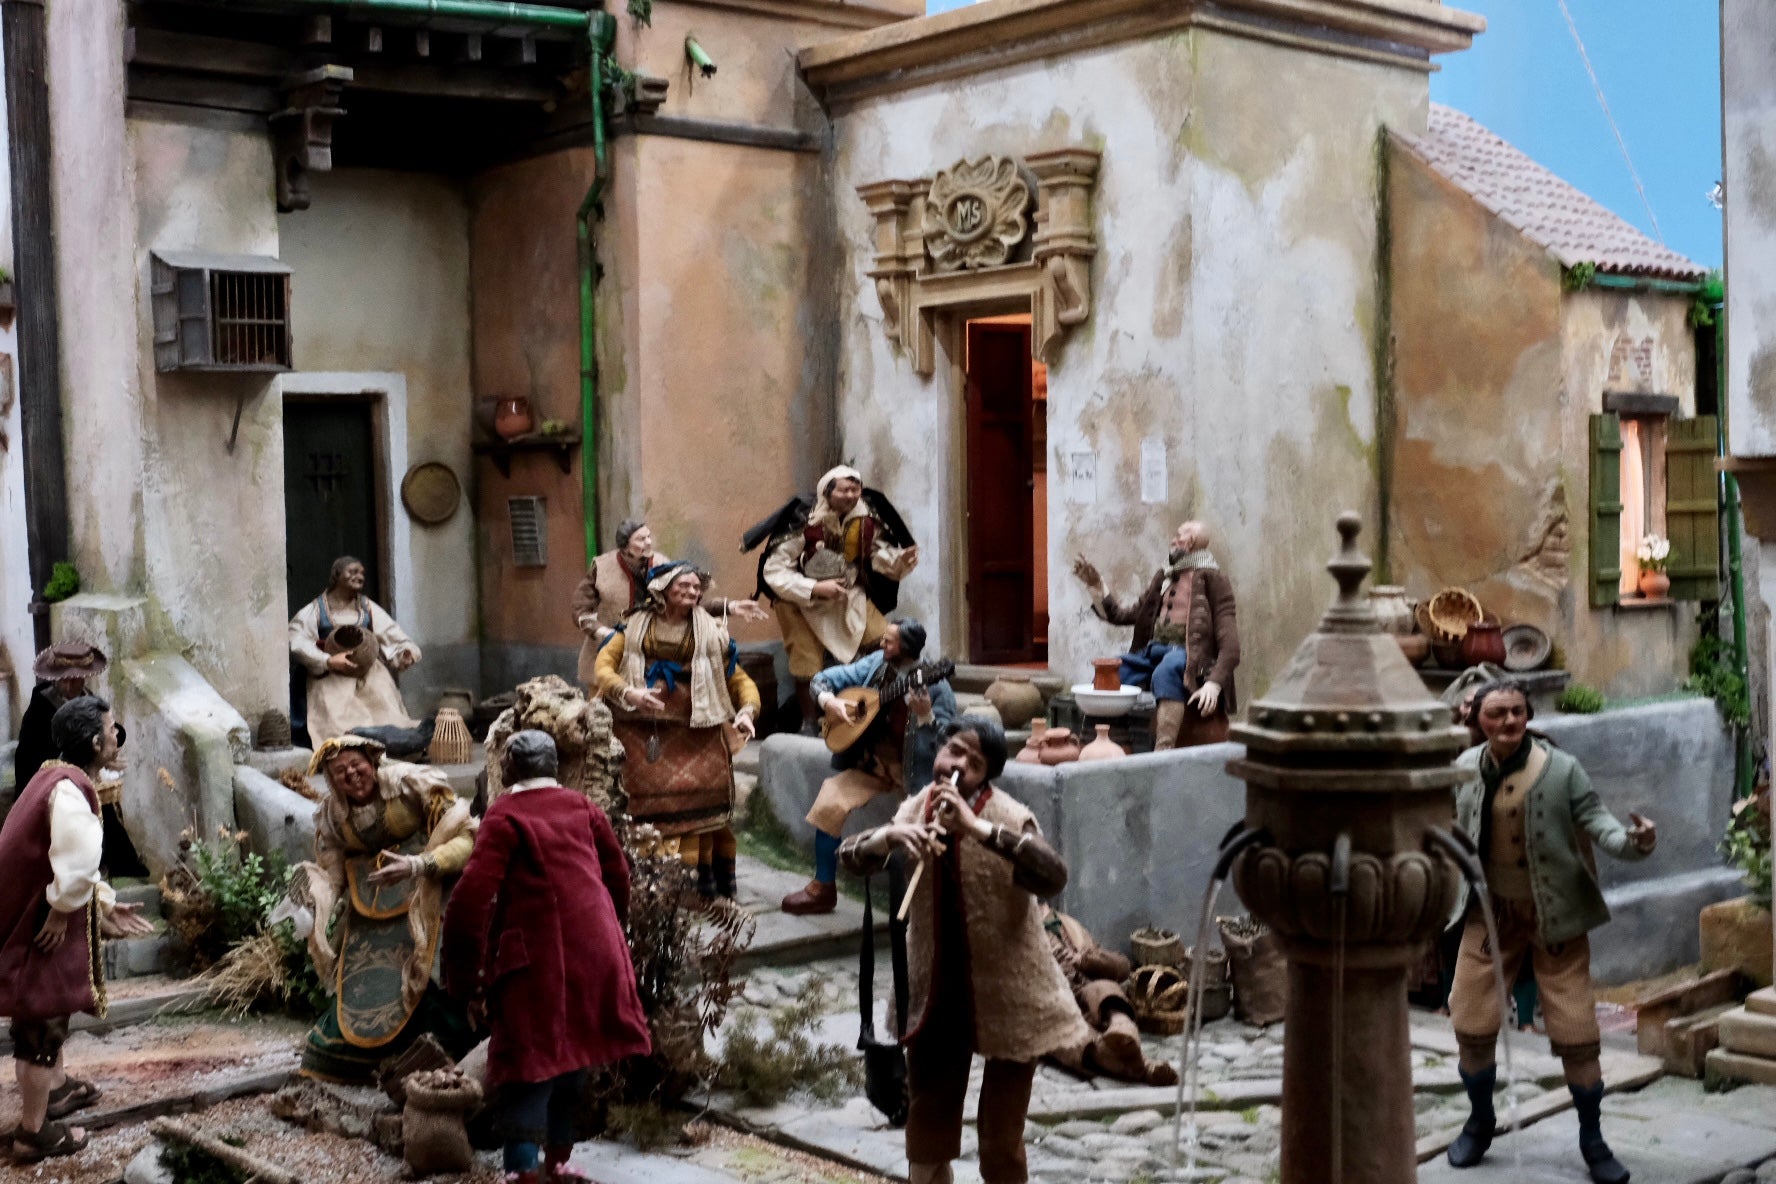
(1082, 478)
(1153, 471)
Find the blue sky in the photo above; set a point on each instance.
(1659, 64)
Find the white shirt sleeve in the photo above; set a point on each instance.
(76, 843)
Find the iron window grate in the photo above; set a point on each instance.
(529, 521)
(220, 312)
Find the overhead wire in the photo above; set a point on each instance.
(1573, 28)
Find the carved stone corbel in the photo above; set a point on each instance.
(1063, 243)
(303, 131)
(898, 249)
(962, 241)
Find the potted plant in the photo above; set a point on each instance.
(1654, 554)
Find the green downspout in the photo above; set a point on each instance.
(603, 31)
(1714, 296)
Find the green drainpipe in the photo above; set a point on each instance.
(495, 11)
(603, 30)
(1744, 767)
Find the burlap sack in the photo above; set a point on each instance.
(434, 1139)
(1259, 970)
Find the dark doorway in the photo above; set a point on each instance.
(330, 494)
(1006, 567)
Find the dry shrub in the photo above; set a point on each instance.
(763, 1070)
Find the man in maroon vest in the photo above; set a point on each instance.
(53, 911)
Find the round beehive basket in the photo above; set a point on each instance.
(1156, 947)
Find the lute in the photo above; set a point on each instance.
(866, 704)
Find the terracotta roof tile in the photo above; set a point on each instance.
(1547, 210)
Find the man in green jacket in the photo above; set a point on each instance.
(1534, 816)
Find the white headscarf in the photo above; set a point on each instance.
(822, 512)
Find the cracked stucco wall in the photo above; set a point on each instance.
(1497, 372)
(1233, 319)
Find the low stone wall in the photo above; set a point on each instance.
(1140, 834)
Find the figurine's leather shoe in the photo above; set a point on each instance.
(1605, 1167)
(815, 898)
(1470, 1146)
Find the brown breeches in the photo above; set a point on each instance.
(1563, 977)
(938, 1060)
(807, 657)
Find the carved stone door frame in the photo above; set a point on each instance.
(954, 242)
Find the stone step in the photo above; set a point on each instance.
(1689, 1039)
(1762, 1001)
(785, 940)
(1724, 1065)
(1747, 1032)
(132, 1001)
(138, 957)
(147, 896)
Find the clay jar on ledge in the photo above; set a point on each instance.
(513, 418)
(1483, 642)
(1103, 748)
(1057, 747)
(1016, 698)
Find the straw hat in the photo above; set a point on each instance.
(70, 659)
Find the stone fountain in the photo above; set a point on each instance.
(1348, 780)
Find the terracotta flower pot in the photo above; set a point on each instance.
(1483, 642)
(1416, 647)
(513, 417)
(1031, 752)
(1107, 674)
(1654, 584)
(1103, 748)
(1057, 747)
(1016, 698)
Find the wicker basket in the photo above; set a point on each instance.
(451, 743)
(1156, 947)
(1158, 995)
(1449, 613)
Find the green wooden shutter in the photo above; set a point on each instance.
(1692, 509)
(1606, 509)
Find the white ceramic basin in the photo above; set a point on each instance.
(1105, 704)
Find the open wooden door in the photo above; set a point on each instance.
(1001, 575)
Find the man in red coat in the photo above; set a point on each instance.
(533, 941)
(53, 911)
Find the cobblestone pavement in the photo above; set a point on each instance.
(1103, 1130)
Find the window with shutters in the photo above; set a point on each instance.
(1652, 474)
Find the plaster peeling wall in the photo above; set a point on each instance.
(380, 266)
(16, 641)
(1234, 312)
(1748, 91)
(99, 285)
(212, 521)
(1497, 372)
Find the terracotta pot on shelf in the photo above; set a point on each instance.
(1057, 747)
(1654, 584)
(1031, 752)
(1416, 647)
(1448, 654)
(1016, 698)
(1107, 674)
(1103, 748)
(1483, 642)
(513, 418)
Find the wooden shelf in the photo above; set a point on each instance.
(500, 452)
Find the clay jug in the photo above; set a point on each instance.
(1416, 647)
(1017, 699)
(1106, 674)
(513, 417)
(1103, 748)
(1031, 752)
(1483, 642)
(1393, 609)
(1654, 584)
(1057, 747)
